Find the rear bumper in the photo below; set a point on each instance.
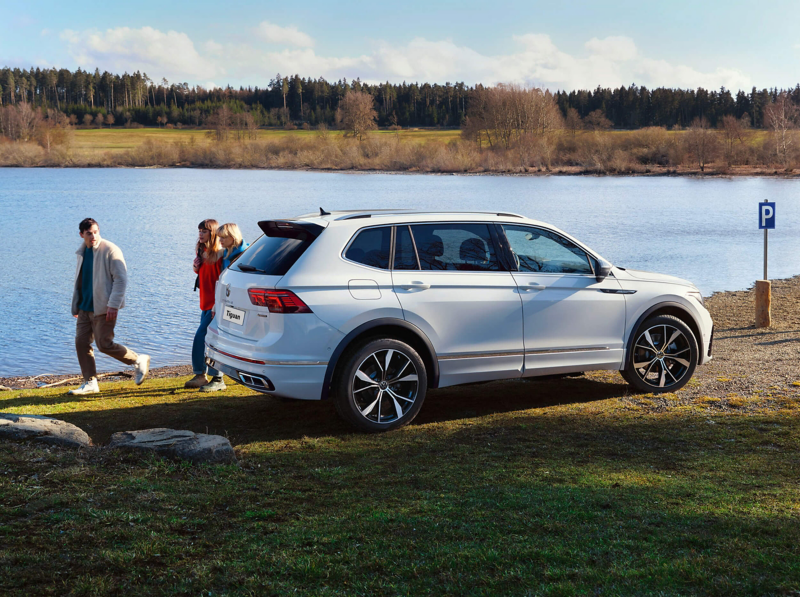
(301, 380)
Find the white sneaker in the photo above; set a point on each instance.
(88, 387)
(141, 368)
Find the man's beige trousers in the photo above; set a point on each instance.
(96, 329)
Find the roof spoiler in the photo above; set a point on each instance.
(305, 231)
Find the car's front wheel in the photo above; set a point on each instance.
(663, 356)
(381, 385)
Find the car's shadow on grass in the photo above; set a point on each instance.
(255, 417)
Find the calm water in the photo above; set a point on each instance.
(702, 230)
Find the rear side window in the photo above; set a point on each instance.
(461, 247)
(271, 255)
(371, 247)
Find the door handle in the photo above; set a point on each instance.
(415, 286)
(533, 286)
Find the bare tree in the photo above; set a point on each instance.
(573, 122)
(781, 118)
(358, 113)
(109, 119)
(220, 123)
(52, 130)
(87, 120)
(733, 133)
(508, 114)
(99, 120)
(702, 142)
(597, 121)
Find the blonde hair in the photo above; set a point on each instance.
(230, 231)
(212, 250)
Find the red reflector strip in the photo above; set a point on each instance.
(233, 356)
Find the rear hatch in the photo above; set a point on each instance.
(246, 295)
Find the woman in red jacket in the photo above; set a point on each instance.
(207, 265)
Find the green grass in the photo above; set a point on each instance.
(121, 139)
(567, 487)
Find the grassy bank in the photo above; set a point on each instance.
(529, 495)
(645, 151)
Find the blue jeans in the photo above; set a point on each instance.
(199, 346)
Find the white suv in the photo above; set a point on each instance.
(372, 308)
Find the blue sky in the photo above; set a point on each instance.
(566, 45)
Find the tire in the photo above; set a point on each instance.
(369, 399)
(663, 355)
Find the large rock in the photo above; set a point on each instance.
(172, 443)
(42, 429)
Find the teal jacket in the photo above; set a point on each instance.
(235, 252)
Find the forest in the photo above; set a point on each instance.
(288, 101)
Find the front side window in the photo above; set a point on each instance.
(371, 247)
(543, 251)
(460, 247)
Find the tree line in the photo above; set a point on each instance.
(290, 101)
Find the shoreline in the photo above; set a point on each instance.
(639, 171)
(733, 312)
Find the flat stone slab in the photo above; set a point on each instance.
(173, 443)
(42, 429)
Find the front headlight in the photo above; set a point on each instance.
(695, 294)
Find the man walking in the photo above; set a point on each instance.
(98, 295)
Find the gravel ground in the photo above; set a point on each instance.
(748, 362)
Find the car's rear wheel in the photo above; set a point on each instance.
(663, 356)
(381, 385)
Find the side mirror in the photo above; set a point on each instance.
(601, 270)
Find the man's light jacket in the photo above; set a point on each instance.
(109, 278)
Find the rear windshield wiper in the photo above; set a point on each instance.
(249, 268)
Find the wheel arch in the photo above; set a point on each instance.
(391, 327)
(676, 310)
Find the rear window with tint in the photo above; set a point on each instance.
(371, 247)
(461, 247)
(271, 255)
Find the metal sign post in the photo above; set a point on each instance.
(766, 221)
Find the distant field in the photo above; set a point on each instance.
(121, 139)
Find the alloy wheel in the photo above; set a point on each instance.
(385, 386)
(661, 356)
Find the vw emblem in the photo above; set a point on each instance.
(228, 290)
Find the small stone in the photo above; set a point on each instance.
(176, 444)
(42, 429)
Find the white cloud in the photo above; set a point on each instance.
(286, 36)
(609, 62)
(171, 54)
(615, 48)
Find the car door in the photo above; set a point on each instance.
(572, 322)
(451, 284)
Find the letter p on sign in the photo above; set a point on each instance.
(766, 215)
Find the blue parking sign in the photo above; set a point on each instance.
(766, 215)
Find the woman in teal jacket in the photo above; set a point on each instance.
(231, 238)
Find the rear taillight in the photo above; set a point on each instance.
(278, 301)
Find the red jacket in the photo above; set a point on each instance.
(209, 274)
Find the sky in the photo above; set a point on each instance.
(566, 45)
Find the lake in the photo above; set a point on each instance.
(705, 230)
